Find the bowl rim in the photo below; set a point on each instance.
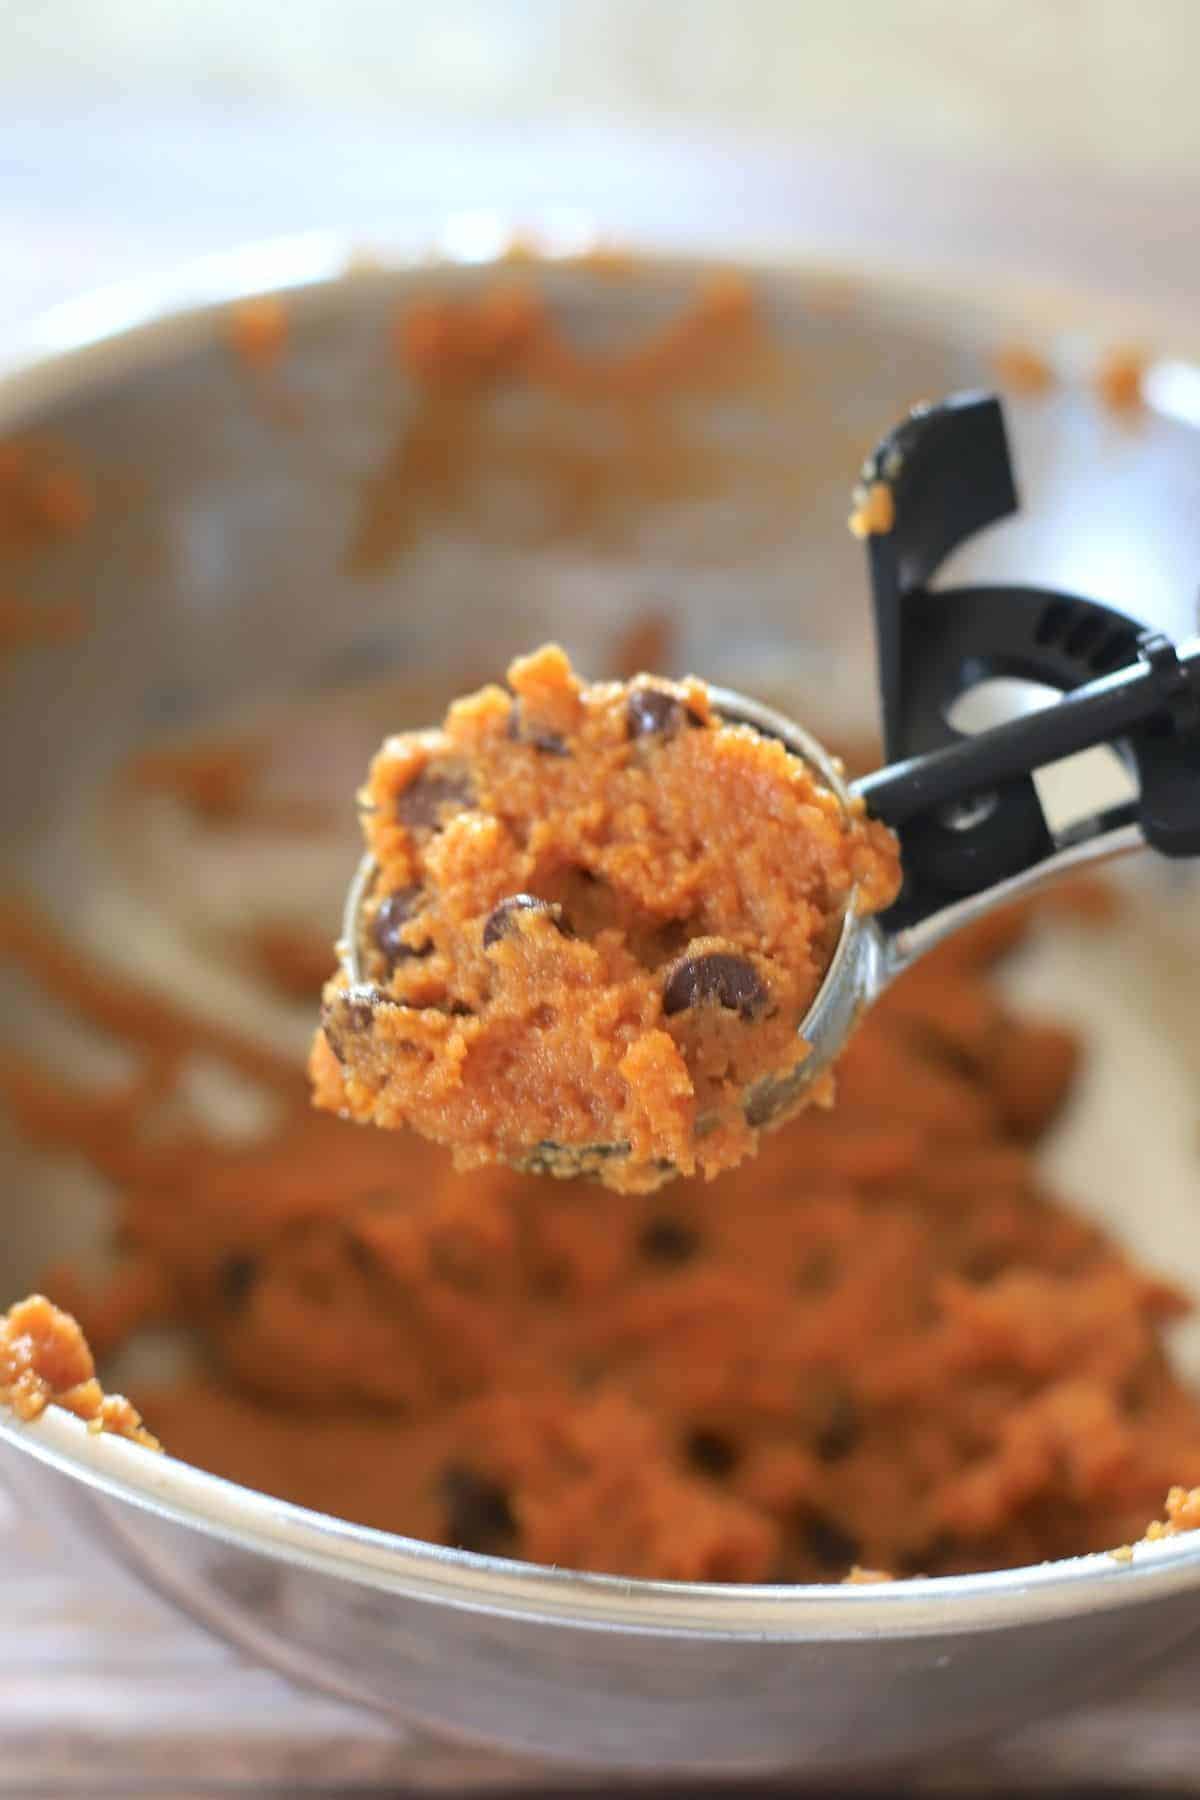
(112, 1468)
(131, 325)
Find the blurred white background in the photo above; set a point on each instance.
(1106, 82)
(1058, 138)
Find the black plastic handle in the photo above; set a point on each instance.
(949, 474)
(1097, 713)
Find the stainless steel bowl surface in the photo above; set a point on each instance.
(226, 584)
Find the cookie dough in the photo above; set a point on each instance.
(1182, 1511)
(883, 1341)
(45, 1358)
(600, 915)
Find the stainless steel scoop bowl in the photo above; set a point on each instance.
(227, 583)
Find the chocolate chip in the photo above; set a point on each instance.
(841, 1432)
(359, 1254)
(984, 1263)
(350, 1013)
(711, 1452)
(478, 1513)
(828, 1543)
(819, 1271)
(669, 1241)
(652, 711)
(392, 914)
(716, 975)
(434, 792)
(236, 1275)
(501, 921)
(927, 1558)
(550, 743)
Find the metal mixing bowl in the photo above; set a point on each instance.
(224, 582)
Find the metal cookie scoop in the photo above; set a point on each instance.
(972, 828)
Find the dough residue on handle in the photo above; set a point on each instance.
(874, 512)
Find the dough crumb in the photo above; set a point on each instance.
(1022, 369)
(45, 1361)
(1119, 379)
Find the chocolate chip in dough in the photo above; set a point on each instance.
(828, 1543)
(655, 712)
(550, 743)
(501, 921)
(423, 804)
(349, 1014)
(669, 1241)
(840, 1433)
(711, 1452)
(716, 975)
(391, 915)
(237, 1274)
(479, 1515)
(927, 1558)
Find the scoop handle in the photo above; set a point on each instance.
(967, 811)
(1161, 691)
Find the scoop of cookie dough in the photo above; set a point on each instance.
(599, 915)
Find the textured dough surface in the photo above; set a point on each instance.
(600, 916)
